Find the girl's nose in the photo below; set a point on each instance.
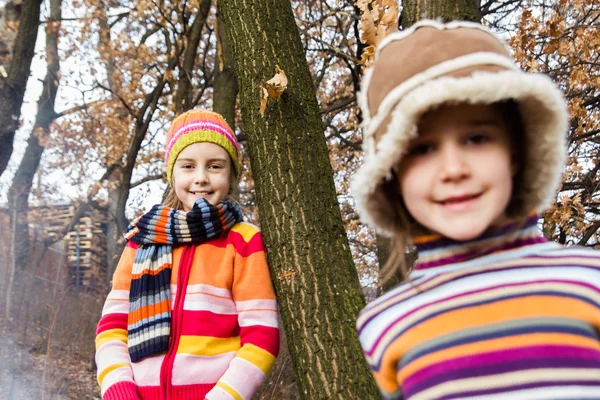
(200, 176)
(453, 164)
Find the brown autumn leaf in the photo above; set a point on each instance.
(275, 87)
(379, 18)
(277, 84)
(263, 101)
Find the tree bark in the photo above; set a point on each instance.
(184, 95)
(20, 188)
(12, 88)
(314, 275)
(447, 10)
(119, 175)
(225, 85)
(117, 197)
(23, 179)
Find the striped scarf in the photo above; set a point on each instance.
(157, 231)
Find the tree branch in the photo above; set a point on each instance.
(148, 179)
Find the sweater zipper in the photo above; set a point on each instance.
(183, 275)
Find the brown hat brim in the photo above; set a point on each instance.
(545, 121)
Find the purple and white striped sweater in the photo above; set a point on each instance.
(520, 320)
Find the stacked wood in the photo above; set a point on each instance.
(85, 243)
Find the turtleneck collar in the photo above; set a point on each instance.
(435, 250)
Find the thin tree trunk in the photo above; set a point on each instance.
(116, 214)
(117, 222)
(185, 89)
(119, 178)
(21, 185)
(314, 275)
(225, 85)
(447, 10)
(20, 188)
(12, 88)
(12, 269)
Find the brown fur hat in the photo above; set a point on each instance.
(431, 64)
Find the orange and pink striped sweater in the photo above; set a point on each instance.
(224, 333)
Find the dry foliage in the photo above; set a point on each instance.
(275, 87)
(378, 19)
(562, 39)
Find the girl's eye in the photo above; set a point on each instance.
(420, 150)
(215, 166)
(187, 166)
(478, 138)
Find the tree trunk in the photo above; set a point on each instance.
(314, 275)
(225, 85)
(20, 188)
(447, 10)
(117, 222)
(12, 88)
(184, 95)
(23, 179)
(119, 179)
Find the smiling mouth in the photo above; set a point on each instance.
(459, 199)
(201, 193)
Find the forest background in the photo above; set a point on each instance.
(88, 89)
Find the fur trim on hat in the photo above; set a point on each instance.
(544, 116)
(439, 70)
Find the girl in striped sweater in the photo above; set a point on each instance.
(461, 150)
(192, 312)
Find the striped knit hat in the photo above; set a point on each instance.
(197, 126)
(431, 64)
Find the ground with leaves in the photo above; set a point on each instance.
(26, 373)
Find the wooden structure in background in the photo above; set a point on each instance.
(85, 243)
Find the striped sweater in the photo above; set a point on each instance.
(507, 316)
(224, 332)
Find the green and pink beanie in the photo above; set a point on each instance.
(197, 126)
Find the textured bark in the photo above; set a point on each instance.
(23, 179)
(314, 275)
(119, 175)
(184, 95)
(12, 88)
(20, 188)
(117, 222)
(447, 10)
(225, 85)
(117, 196)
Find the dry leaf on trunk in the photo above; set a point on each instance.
(277, 84)
(275, 87)
(263, 101)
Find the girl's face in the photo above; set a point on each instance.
(456, 178)
(202, 170)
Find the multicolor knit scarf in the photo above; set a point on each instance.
(157, 231)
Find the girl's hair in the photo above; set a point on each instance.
(397, 263)
(171, 200)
